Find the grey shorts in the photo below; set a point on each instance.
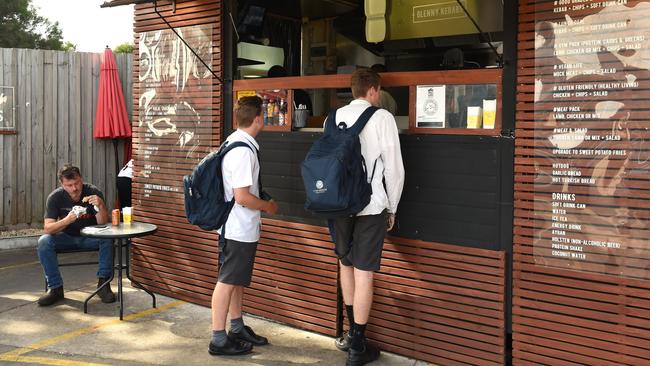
(359, 240)
(237, 259)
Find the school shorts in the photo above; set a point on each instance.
(359, 240)
(237, 259)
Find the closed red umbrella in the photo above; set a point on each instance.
(111, 120)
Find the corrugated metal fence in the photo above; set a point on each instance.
(55, 99)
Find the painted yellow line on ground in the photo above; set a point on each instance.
(49, 361)
(76, 333)
(18, 265)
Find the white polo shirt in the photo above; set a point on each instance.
(380, 143)
(240, 168)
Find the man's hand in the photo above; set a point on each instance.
(390, 221)
(72, 217)
(95, 200)
(271, 207)
(101, 211)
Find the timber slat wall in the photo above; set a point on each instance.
(563, 317)
(180, 260)
(55, 105)
(294, 280)
(440, 303)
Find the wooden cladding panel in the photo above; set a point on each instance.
(180, 260)
(440, 303)
(294, 280)
(599, 315)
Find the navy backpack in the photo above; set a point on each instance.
(334, 172)
(204, 194)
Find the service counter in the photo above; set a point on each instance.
(454, 102)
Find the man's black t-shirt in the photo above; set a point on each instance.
(59, 204)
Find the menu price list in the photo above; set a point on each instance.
(585, 95)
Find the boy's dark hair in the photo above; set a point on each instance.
(379, 68)
(362, 80)
(247, 109)
(69, 171)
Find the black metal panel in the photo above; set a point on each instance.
(281, 155)
(451, 191)
(452, 194)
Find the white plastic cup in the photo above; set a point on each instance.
(127, 216)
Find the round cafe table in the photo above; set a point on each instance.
(120, 234)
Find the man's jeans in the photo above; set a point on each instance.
(49, 244)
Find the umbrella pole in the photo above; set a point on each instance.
(117, 171)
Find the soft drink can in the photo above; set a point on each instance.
(116, 216)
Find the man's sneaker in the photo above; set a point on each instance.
(106, 294)
(343, 342)
(52, 296)
(357, 358)
(232, 347)
(247, 335)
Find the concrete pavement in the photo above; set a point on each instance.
(175, 333)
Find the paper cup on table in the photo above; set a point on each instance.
(474, 117)
(127, 216)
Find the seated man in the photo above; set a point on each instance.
(69, 209)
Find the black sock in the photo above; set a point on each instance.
(358, 337)
(350, 312)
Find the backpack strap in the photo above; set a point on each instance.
(226, 147)
(358, 126)
(330, 122)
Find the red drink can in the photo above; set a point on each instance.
(116, 216)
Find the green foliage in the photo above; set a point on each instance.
(69, 46)
(124, 48)
(22, 27)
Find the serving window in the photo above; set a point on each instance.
(454, 102)
(275, 107)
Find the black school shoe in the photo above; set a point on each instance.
(357, 358)
(51, 297)
(343, 342)
(231, 348)
(248, 335)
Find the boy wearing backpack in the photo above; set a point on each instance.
(359, 239)
(240, 170)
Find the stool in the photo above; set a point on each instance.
(70, 264)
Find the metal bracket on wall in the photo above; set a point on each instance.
(155, 9)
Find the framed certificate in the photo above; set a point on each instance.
(430, 106)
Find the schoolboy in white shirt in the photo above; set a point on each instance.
(240, 169)
(359, 239)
